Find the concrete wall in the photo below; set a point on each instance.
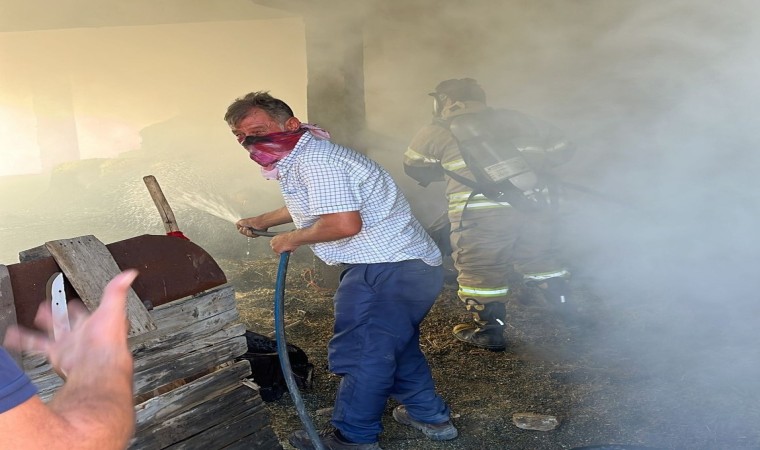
(113, 82)
(153, 96)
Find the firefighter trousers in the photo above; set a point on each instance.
(495, 247)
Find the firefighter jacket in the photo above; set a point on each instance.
(434, 150)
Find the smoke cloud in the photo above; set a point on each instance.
(660, 98)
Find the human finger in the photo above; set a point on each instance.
(281, 244)
(112, 310)
(249, 231)
(21, 339)
(78, 313)
(44, 317)
(242, 224)
(244, 231)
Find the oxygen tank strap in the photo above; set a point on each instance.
(475, 191)
(461, 227)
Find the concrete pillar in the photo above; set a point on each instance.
(335, 73)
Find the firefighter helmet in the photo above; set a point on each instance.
(458, 90)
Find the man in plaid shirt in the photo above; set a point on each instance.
(349, 211)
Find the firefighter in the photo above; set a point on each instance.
(493, 242)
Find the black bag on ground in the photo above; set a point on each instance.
(266, 370)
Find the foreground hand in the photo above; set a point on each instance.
(94, 340)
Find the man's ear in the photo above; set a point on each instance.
(292, 124)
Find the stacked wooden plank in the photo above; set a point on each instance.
(190, 389)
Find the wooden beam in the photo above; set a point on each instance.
(196, 307)
(177, 366)
(201, 343)
(164, 210)
(165, 406)
(33, 254)
(193, 422)
(89, 266)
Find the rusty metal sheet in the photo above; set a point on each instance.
(170, 268)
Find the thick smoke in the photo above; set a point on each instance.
(683, 240)
(660, 98)
(674, 261)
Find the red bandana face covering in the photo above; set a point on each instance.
(268, 149)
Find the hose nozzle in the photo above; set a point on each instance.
(265, 233)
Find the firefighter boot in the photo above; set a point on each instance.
(555, 290)
(487, 330)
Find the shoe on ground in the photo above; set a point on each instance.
(331, 440)
(556, 291)
(558, 299)
(488, 337)
(435, 432)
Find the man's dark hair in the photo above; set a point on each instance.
(461, 89)
(241, 107)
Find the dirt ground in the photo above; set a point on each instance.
(556, 364)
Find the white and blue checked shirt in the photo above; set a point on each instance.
(320, 177)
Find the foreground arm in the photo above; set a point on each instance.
(329, 227)
(94, 408)
(264, 221)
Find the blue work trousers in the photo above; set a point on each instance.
(376, 345)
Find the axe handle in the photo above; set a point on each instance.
(167, 215)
